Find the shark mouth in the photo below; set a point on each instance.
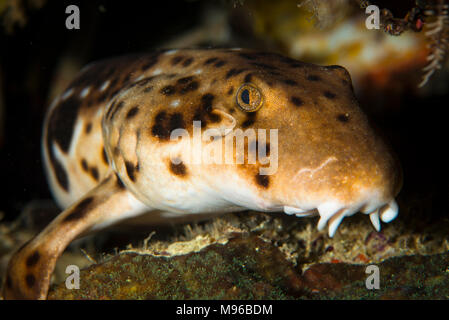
(332, 213)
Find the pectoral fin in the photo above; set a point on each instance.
(29, 270)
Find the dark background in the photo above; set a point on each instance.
(28, 60)
(417, 128)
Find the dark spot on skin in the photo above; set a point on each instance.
(233, 72)
(30, 280)
(343, 117)
(164, 125)
(297, 101)
(168, 90)
(207, 100)
(147, 89)
(187, 84)
(248, 77)
(178, 169)
(132, 112)
(220, 63)
(88, 128)
(204, 112)
(187, 62)
(329, 95)
(313, 77)
(131, 170)
(192, 86)
(176, 121)
(84, 165)
(62, 122)
(33, 259)
(230, 91)
(104, 156)
(262, 180)
(200, 115)
(94, 173)
(185, 80)
(116, 151)
(54, 128)
(250, 119)
(80, 210)
(61, 174)
(158, 129)
(176, 60)
(290, 82)
(210, 60)
(214, 117)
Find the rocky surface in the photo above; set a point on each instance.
(253, 255)
(246, 267)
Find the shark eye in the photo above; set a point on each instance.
(249, 98)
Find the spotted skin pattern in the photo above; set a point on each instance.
(108, 152)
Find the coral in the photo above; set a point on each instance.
(437, 32)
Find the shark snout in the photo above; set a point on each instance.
(341, 190)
